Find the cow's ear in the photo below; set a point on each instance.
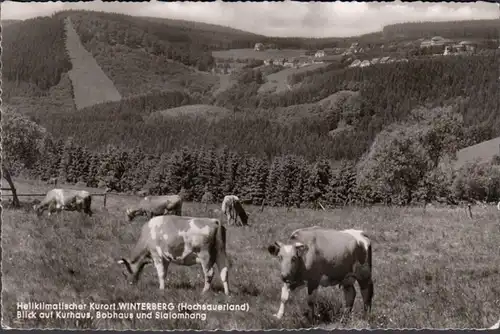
(274, 249)
(301, 248)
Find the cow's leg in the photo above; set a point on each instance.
(349, 296)
(160, 268)
(312, 286)
(366, 287)
(285, 295)
(207, 265)
(222, 265)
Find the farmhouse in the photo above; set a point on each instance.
(319, 54)
(258, 47)
(435, 41)
(384, 60)
(279, 61)
(365, 63)
(355, 63)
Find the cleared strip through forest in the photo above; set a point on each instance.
(90, 84)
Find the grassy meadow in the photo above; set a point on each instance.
(253, 54)
(437, 269)
(278, 82)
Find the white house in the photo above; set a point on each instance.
(319, 54)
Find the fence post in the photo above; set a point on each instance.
(105, 196)
(469, 210)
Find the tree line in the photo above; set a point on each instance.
(475, 29)
(287, 180)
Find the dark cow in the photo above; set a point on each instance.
(325, 257)
(184, 241)
(232, 208)
(152, 206)
(57, 200)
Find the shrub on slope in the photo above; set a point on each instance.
(34, 51)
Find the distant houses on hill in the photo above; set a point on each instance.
(374, 61)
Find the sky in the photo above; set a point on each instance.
(284, 19)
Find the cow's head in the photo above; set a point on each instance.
(290, 257)
(132, 271)
(38, 210)
(130, 214)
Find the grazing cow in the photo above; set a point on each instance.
(65, 199)
(184, 241)
(325, 257)
(153, 206)
(206, 199)
(231, 207)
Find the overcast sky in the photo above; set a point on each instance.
(285, 19)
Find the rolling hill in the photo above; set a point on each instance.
(164, 67)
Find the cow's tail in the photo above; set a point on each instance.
(369, 255)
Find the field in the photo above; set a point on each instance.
(262, 55)
(90, 84)
(277, 82)
(196, 110)
(436, 269)
(483, 151)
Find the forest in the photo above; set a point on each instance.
(250, 152)
(471, 29)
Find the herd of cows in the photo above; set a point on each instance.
(312, 256)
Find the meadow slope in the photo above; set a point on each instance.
(433, 270)
(90, 84)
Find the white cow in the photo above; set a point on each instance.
(181, 240)
(57, 200)
(152, 206)
(232, 208)
(325, 257)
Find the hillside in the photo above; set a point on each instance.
(141, 56)
(163, 67)
(483, 151)
(6, 23)
(41, 42)
(472, 29)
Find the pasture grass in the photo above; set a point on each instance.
(278, 82)
(260, 55)
(437, 269)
